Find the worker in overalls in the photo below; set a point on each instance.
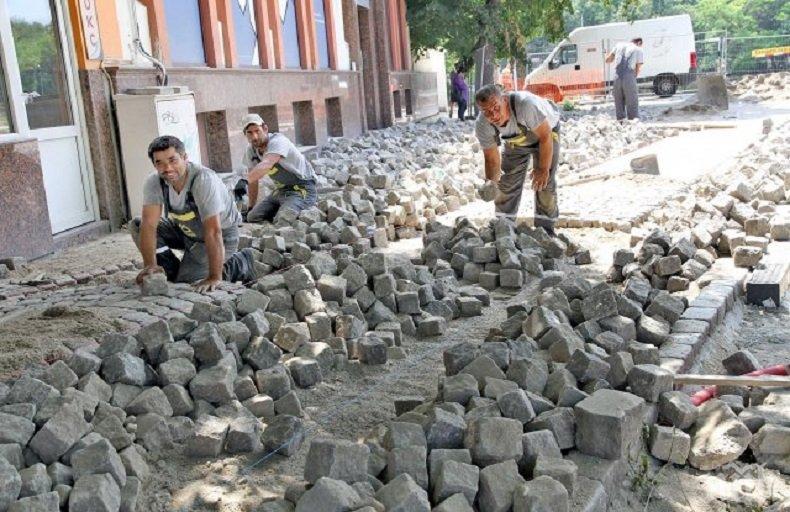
(200, 219)
(628, 59)
(528, 126)
(273, 155)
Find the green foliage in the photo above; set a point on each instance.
(736, 17)
(641, 479)
(462, 26)
(567, 105)
(36, 54)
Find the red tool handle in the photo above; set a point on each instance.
(702, 396)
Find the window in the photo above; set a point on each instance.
(321, 33)
(334, 117)
(246, 32)
(304, 123)
(5, 109)
(40, 60)
(269, 115)
(569, 54)
(184, 32)
(290, 34)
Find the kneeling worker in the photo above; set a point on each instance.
(200, 218)
(273, 155)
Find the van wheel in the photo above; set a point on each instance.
(665, 85)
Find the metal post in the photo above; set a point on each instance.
(724, 53)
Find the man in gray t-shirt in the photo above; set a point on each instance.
(273, 155)
(528, 126)
(200, 218)
(628, 59)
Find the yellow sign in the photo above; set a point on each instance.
(771, 52)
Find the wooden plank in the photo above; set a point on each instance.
(773, 280)
(767, 283)
(764, 381)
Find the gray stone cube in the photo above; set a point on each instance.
(608, 424)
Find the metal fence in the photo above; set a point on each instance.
(752, 55)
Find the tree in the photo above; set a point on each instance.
(463, 26)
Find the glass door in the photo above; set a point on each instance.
(42, 99)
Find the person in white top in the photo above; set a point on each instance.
(628, 59)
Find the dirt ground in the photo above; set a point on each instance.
(46, 336)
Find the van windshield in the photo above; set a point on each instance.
(554, 51)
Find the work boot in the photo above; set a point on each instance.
(240, 267)
(170, 262)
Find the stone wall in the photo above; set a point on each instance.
(26, 230)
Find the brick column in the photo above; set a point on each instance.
(262, 29)
(381, 40)
(331, 41)
(393, 21)
(157, 26)
(211, 41)
(351, 32)
(225, 15)
(313, 46)
(405, 40)
(304, 31)
(272, 6)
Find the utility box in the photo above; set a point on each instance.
(144, 114)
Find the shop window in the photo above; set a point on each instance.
(184, 32)
(396, 101)
(216, 143)
(269, 115)
(304, 123)
(40, 60)
(246, 32)
(322, 35)
(334, 117)
(290, 34)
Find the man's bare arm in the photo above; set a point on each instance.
(493, 163)
(148, 225)
(252, 193)
(637, 69)
(215, 247)
(151, 215)
(610, 57)
(259, 171)
(540, 176)
(256, 173)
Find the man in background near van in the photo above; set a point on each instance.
(628, 59)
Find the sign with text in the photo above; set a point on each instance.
(90, 29)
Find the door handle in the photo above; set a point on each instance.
(577, 67)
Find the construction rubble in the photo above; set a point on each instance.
(765, 87)
(550, 412)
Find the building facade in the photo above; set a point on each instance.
(313, 69)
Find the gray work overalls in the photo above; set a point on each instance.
(625, 91)
(291, 193)
(516, 155)
(182, 229)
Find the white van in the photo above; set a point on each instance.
(577, 64)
